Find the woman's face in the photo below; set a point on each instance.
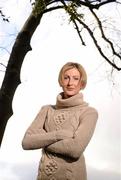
(71, 84)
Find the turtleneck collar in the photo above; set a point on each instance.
(75, 100)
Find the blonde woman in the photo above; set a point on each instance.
(63, 130)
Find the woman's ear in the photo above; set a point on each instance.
(82, 84)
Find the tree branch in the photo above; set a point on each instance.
(2, 65)
(99, 4)
(103, 34)
(78, 32)
(97, 45)
(53, 8)
(3, 48)
(3, 16)
(90, 3)
(74, 16)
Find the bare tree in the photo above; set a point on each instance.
(74, 10)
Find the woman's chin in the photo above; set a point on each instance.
(69, 94)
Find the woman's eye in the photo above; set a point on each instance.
(76, 78)
(65, 77)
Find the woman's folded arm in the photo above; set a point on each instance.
(36, 137)
(74, 147)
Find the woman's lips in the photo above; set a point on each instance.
(70, 89)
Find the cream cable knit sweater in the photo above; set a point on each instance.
(63, 131)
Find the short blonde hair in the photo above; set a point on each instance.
(79, 67)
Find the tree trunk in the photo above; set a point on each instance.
(12, 75)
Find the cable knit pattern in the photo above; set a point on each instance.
(63, 131)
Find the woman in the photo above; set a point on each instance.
(64, 130)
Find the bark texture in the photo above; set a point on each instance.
(12, 75)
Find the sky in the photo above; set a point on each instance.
(54, 43)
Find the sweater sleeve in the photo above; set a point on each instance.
(75, 146)
(36, 137)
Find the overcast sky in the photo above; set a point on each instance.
(54, 43)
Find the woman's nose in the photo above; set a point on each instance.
(70, 82)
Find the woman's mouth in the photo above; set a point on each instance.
(70, 89)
